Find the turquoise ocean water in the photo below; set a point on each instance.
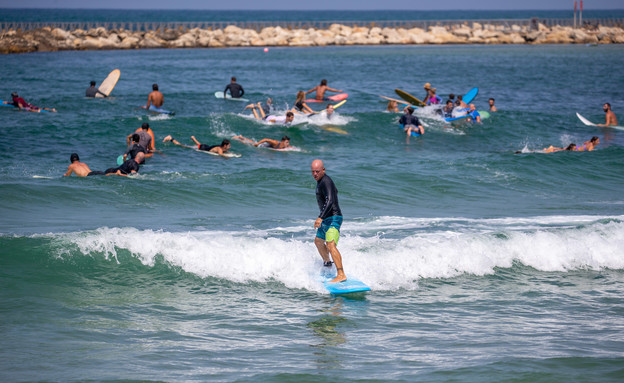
(485, 265)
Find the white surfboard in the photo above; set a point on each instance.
(109, 83)
(589, 123)
(229, 97)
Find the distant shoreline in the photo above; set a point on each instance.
(492, 33)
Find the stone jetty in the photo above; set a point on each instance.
(56, 39)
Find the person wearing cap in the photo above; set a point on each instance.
(19, 102)
(80, 168)
(92, 91)
(427, 88)
(433, 99)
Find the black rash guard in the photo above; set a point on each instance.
(327, 197)
(236, 90)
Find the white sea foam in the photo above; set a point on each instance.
(387, 253)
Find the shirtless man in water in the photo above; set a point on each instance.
(155, 98)
(80, 168)
(321, 89)
(274, 144)
(610, 119)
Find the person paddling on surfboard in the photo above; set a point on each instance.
(19, 102)
(610, 119)
(80, 168)
(236, 90)
(265, 142)
(321, 89)
(329, 220)
(92, 91)
(221, 149)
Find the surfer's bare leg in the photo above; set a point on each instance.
(322, 249)
(337, 258)
(195, 140)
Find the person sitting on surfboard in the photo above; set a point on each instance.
(265, 142)
(610, 119)
(92, 91)
(221, 149)
(329, 220)
(22, 104)
(492, 106)
(155, 98)
(236, 90)
(410, 122)
(300, 106)
(321, 89)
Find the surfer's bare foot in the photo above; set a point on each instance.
(340, 278)
(168, 138)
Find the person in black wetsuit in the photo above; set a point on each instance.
(135, 148)
(411, 123)
(236, 90)
(128, 167)
(329, 220)
(221, 149)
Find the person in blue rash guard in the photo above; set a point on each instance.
(329, 220)
(236, 90)
(474, 115)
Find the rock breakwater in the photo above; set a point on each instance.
(56, 39)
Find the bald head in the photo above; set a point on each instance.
(318, 169)
(140, 157)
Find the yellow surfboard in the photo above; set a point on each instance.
(109, 83)
(409, 98)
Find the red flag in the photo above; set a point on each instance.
(581, 5)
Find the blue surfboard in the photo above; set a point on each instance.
(484, 114)
(155, 109)
(472, 93)
(347, 287)
(413, 132)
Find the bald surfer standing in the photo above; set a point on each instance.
(329, 220)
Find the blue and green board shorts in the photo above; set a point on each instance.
(330, 229)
